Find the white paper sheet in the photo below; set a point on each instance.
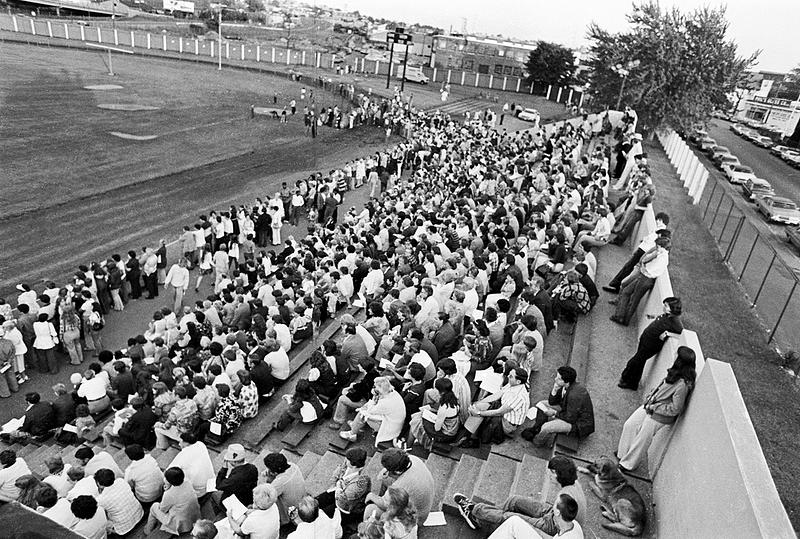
(435, 518)
(235, 506)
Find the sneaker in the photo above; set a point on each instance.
(465, 508)
(348, 435)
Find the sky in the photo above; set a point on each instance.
(769, 25)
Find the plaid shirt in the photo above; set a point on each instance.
(122, 508)
(577, 293)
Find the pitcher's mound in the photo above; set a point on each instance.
(125, 106)
(103, 87)
(128, 136)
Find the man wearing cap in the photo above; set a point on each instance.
(235, 478)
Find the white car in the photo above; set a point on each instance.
(706, 143)
(529, 115)
(778, 209)
(738, 174)
(764, 141)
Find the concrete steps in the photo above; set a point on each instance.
(441, 469)
(319, 480)
(494, 480)
(462, 480)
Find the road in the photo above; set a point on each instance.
(784, 179)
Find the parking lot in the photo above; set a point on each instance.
(785, 181)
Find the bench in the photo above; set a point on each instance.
(297, 433)
(262, 425)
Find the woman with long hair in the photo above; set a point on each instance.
(445, 427)
(400, 517)
(662, 407)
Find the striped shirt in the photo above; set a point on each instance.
(518, 399)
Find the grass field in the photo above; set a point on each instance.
(56, 142)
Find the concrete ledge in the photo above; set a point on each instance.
(715, 461)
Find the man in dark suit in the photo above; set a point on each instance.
(39, 419)
(63, 406)
(139, 428)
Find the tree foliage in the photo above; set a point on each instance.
(550, 63)
(686, 66)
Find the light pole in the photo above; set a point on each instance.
(624, 71)
(219, 34)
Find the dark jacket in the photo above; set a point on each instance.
(139, 428)
(446, 340)
(651, 336)
(63, 409)
(545, 304)
(241, 482)
(413, 397)
(39, 419)
(576, 409)
(124, 385)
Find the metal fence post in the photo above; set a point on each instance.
(710, 197)
(783, 311)
(721, 232)
(734, 239)
(721, 198)
(747, 260)
(764, 280)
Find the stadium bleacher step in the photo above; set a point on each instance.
(319, 479)
(296, 434)
(166, 457)
(441, 469)
(530, 478)
(120, 457)
(339, 444)
(308, 462)
(495, 479)
(462, 480)
(26, 450)
(38, 466)
(372, 468)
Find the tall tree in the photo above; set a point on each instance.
(684, 65)
(550, 63)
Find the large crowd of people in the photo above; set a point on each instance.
(473, 247)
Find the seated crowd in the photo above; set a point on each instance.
(473, 247)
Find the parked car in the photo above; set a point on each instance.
(778, 209)
(529, 115)
(737, 128)
(725, 159)
(763, 141)
(706, 143)
(715, 150)
(778, 149)
(697, 134)
(750, 135)
(757, 187)
(793, 159)
(738, 174)
(793, 236)
(788, 154)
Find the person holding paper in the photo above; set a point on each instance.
(260, 521)
(439, 425)
(507, 415)
(235, 478)
(568, 409)
(288, 481)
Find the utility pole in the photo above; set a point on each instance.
(405, 63)
(391, 56)
(399, 35)
(219, 34)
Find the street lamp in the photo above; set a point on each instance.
(624, 71)
(219, 34)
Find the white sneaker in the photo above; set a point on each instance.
(348, 435)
